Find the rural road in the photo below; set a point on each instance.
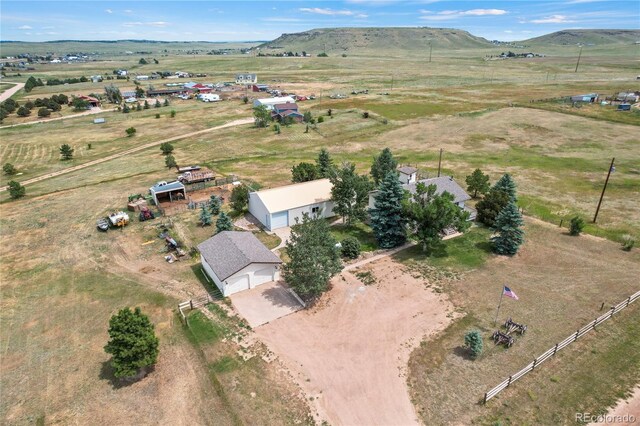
(92, 111)
(10, 92)
(131, 151)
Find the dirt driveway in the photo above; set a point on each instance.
(265, 303)
(350, 353)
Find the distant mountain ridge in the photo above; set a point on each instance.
(596, 37)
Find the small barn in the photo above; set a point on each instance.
(238, 261)
(280, 207)
(281, 111)
(163, 191)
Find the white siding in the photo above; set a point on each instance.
(256, 273)
(325, 210)
(258, 209)
(212, 275)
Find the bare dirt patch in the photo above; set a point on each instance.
(350, 353)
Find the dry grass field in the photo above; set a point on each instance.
(61, 280)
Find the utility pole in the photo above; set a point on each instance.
(430, 49)
(579, 55)
(440, 162)
(604, 188)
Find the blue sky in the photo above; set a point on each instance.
(265, 20)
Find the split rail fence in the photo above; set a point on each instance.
(561, 345)
(193, 304)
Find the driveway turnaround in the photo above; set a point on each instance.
(265, 303)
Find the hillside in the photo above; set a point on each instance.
(363, 40)
(587, 37)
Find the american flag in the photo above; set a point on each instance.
(509, 293)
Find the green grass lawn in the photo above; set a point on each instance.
(361, 231)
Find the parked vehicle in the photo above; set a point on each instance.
(119, 219)
(196, 176)
(102, 224)
(131, 100)
(188, 169)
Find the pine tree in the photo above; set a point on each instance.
(215, 203)
(132, 342)
(382, 165)
(205, 217)
(314, 257)
(146, 104)
(473, 342)
(157, 104)
(509, 236)
(387, 218)
(170, 161)
(224, 223)
(506, 184)
(30, 84)
(324, 163)
(66, 152)
(16, 190)
(477, 182)
(576, 226)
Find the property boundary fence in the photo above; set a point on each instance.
(211, 183)
(561, 345)
(193, 304)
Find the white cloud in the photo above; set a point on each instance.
(331, 12)
(553, 19)
(128, 11)
(483, 12)
(508, 31)
(25, 27)
(109, 11)
(452, 14)
(147, 24)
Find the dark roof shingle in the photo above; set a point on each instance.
(443, 184)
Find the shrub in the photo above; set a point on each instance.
(321, 119)
(9, 169)
(628, 242)
(473, 342)
(16, 190)
(173, 113)
(23, 112)
(44, 112)
(576, 226)
(157, 115)
(350, 248)
(170, 161)
(131, 131)
(166, 148)
(245, 100)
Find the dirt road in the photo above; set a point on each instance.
(92, 111)
(131, 151)
(621, 413)
(350, 353)
(10, 92)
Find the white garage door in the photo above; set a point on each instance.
(279, 220)
(262, 276)
(236, 284)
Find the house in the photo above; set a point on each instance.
(282, 111)
(162, 191)
(96, 78)
(260, 88)
(280, 207)
(238, 261)
(245, 78)
(443, 184)
(407, 174)
(270, 102)
(202, 88)
(591, 97)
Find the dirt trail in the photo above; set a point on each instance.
(626, 408)
(10, 92)
(92, 111)
(350, 353)
(131, 151)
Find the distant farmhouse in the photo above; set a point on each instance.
(246, 78)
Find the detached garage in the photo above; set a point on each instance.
(238, 261)
(280, 207)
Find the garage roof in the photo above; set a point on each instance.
(228, 252)
(296, 195)
(171, 186)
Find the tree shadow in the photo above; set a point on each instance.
(106, 373)
(485, 246)
(463, 353)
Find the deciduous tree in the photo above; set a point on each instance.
(477, 182)
(304, 172)
(16, 190)
(350, 193)
(166, 148)
(261, 116)
(491, 205)
(239, 198)
(9, 169)
(170, 161)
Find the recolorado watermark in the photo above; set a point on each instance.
(605, 418)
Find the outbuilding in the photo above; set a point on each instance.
(271, 102)
(238, 261)
(280, 207)
(163, 191)
(407, 174)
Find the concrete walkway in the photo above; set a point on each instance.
(131, 151)
(11, 91)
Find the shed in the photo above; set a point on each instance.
(238, 261)
(407, 174)
(171, 191)
(280, 207)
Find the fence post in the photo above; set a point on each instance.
(535, 361)
(613, 308)
(594, 323)
(485, 398)
(628, 301)
(576, 336)
(555, 349)
(509, 383)
(191, 304)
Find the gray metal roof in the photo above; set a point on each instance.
(443, 184)
(171, 186)
(407, 170)
(231, 251)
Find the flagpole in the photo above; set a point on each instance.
(499, 303)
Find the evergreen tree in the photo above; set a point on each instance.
(166, 148)
(477, 182)
(324, 163)
(170, 161)
(509, 236)
(138, 107)
(132, 342)
(507, 185)
(66, 152)
(205, 217)
(491, 205)
(9, 169)
(382, 165)
(146, 105)
(304, 172)
(166, 102)
(224, 223)
(576, 226)
(30, 84)
(126, 109)
(314, 257)
(16, 190)
(239, 198)
(157, 104)
(387, 218)
(23, 112)
(215, 203)
(139, 92)
(350, 193)
(473, 342)
(430, 214)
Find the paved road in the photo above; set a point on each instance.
(96, 110)
(131, 151)
(10, 92)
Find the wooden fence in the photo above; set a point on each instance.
(193, 304)
(561, 345)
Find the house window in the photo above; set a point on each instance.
(315, 210)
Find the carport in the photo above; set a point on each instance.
(168, 191)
